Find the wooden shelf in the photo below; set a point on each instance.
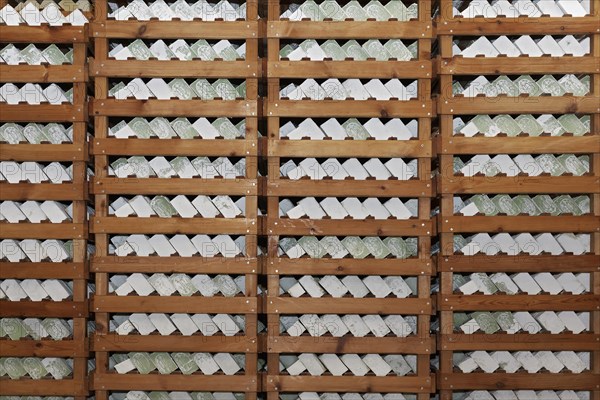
(518, 65)
(521, 105)
(44, 34)
(517, 26)
(43, 113)
(68, 348)
(42, 191)
(518, 302)
(42, 270)
(351, 345)
(231, 187)
(518, 144)
(173, 343)
(173, 226)
(350, 108)
(519, 263)
(350, 29)
(521, 223)
(366, 188)
(519, 184)
(57, 309)
(350, 266)
(173, 304)
(174, 69)
(493, 381)
(175, 147)
(394, 384)
(351, 148)
(368, 69)
(155, 29)
(367, 227)
(347, 305)
(174, 108)
(42, 73)
(189, 265)
(173, 382)
(28, 230)
(44, 387)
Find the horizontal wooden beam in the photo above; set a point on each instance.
(521, 105)
(350, 108)
(43, 73)
(155, 29)
(134, 68)
(518, 65)
(43, 152)
(231, 187)
(349, 266)
(520, 342)
(173, 382)
(61, 309)
(173, 304)
(42, 270)
(190, 265)
(174, 108)
(173, 226)
(392, 384)
(521, 223)
(23, 112)
(350, 68)
(46, 231)
(351, 345)
(519, 302)
(346, 305)
(498, 381)
(42, 191)
(366, 188)
(350, 148)
(518, 184)
(194, 343)
(175, 147)
(350, 30)
(517, 26)
(359, 227)
(44, 34)
(519, 263)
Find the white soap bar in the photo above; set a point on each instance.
(572, 321)
(296, 368)
(356, 169)
(528, 46)
(333, 286)
(356, 325)
(140, 284)
(377, 325)
(312, 364)
(333, 364)
(333, 208)
(162, 246)
(57, 289)
(572, 8)
(548, 283)
(550, 321)
(549, 244)
(207, 364)
(355, 364)
(34, 289)
(355, 208)
(334, 325)
(376, 209)
(313, 324)
(162, 323)
(377, 364)
(142, 323)
(311, 286)
(226, 324)
(549, 361)
(140, 245)
(312, 208)
(506, 361)
(570, 283)
(355, 286)
(334, 169)
(571, 361)
(376, 169)
(528, 244)
(527, 322)
(205, 324)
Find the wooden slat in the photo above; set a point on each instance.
(518, 65)
(45, 230)
(381, 306)
(350, 345)
(235, 187)
(172, 382)
(43, 387)
(359, 227)
(518, 26)
(43, 348)
(519, 263)
(175, 147)
(43, 34)
(495, 381)
(62, 309)
(349, 266)
(367, 69)
(42, 270)
(519, 341)
(42, 73)
(393, 384)
(520, 302)
(42, 191)
(195, 343)
(173, 69)
(366, 188)
(173, 304)
(350, 29)
(174, 108)
(575, 224)
(350, 108)
(520, 184)
(175, 29)
(173, 226)
(350, 148)
(522, 105)
(197, 265)
(43, 113)
(519, 144)
(43, 152)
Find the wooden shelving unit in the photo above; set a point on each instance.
(102, 68)
(277, 188)
(74, 154)
(450, 379)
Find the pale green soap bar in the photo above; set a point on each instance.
(13, 328)
(162, 128)
(14, 367)
(355, 50)
(413, 246)
(529, 125)
(486, 322)
(139, 50)
(32, 55)
(355, 129)
(163, 207)
(545, 204)
(398, 50)
(375, 9)
(458, 165)
(331, 9)
(312, 246)
(397, 247)
(334, 50)
(376, 50)
(505, 204)
(460, 319)
(376, 246)
(507, 125)
(140, 166)
(485, 205)
(58, 368)
(583, 202)
(226, 128)
(567, 205)
(457, 89)
(141, 127)
(225, 89)
(573, 125)
(54, 55)
(204, 89)
(12, 133)
(572, 164)
(413, 11)
(550, 85)
(34, 367)
(550, 163)
(527, 85)
(56, 133)
(203, 50)
(485, 124)
(311, 9)
(355, 11)
(158, 395)
(181, 89)
(572, 85)
(526, 205)
(505, 85)
(34, 134)
(552, 126)
(142, 362)
(505, 320)
(186, 363)
(164, 363)
(458, 281)
(355, 246)
(184, 128)
(397, 10)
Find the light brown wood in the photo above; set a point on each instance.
(349, 29)
(42, 270)
(368, 227)
(517, 26)
(43, 152)
(348, 305)
(68, 348)
(366, 188)
(349, 266)
(411, 384)
(351, 345)
(232, 187)
(174, 147)
(519, 263)
(349, 108)
(518, 65)
(42, 191)
(44, 34)
(367, 69)
(43, 73)
(174, 29)
(524, 105)
(173, 226)
(519, 302)
(173, 108)
(495, 381)
(521, 184)
(173, 304)
(350, 148)
(43, 113)
(519, 144)
(58, 309)
(46, 230)
(173, 343)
